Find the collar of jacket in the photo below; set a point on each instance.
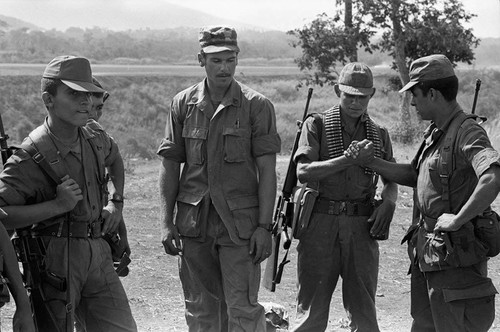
(201, 97)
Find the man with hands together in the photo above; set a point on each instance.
(347, 219)
(450, 290)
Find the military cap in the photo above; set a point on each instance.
(429, 68)
(356, 78)
(218, 39)
(73, 71)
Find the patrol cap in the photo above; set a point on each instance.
(99, 85)
(73, 71)
(356, 78)
(218, 39)
(429, 68)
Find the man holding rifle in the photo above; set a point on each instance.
(450, 290)
(55, 199)
(340, 239)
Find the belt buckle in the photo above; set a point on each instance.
(342, 207)
(89, 230)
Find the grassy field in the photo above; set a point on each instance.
(135, 116)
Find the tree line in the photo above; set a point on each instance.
(145, 46)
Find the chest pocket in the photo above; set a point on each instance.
(433, 165)
(237, 145)
(195, 139)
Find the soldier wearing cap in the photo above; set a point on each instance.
(341, 237)
(445, 296)
(70, 218)
(224, 135)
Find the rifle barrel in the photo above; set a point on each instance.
(476, 93)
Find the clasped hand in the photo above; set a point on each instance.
(360, 152)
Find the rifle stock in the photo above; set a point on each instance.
(30, 252)
(283, 216)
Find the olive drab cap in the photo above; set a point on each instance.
(218, 39)
(429, 68)
(356, 78)
(73, 71)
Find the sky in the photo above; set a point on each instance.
(273, 14)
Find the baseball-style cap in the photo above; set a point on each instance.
(99, 85)
(429, 68)
(73, 71)
(218, 39)
(356, 79)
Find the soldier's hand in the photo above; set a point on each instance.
(68, 193)
(381, 219)
(352, 151)
(23, 320)
(447, 222)
(171, 241)
(112, 216)
(365, 152)
(260, 245)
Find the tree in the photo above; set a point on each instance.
(409, 30)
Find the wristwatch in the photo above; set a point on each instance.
(267, 227)
(117, 198)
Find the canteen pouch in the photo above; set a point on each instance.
(304, 199)
(487, 230)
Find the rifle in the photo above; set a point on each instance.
(283, 215)
(4, 148)
(30, 252)
(476, 94)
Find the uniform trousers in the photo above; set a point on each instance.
(334, 246)
(453, 300)
(220, 282)
(99, 299)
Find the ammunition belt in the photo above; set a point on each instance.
(343, 207)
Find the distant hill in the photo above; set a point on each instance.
(171, 38)
(9, 23)
(162, 15)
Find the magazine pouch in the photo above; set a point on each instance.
(304, 199)
(487, 230)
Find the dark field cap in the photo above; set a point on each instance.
(218, 39)
(356, 79)
(429, 68)
(73, 71)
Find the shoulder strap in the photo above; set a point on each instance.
(40, 160)
(446, 158)
(39, 138)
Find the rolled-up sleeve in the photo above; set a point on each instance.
(477, 148)
(172, 145)
(15, 181)
(265, 138)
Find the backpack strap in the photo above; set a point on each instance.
(447, 157)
